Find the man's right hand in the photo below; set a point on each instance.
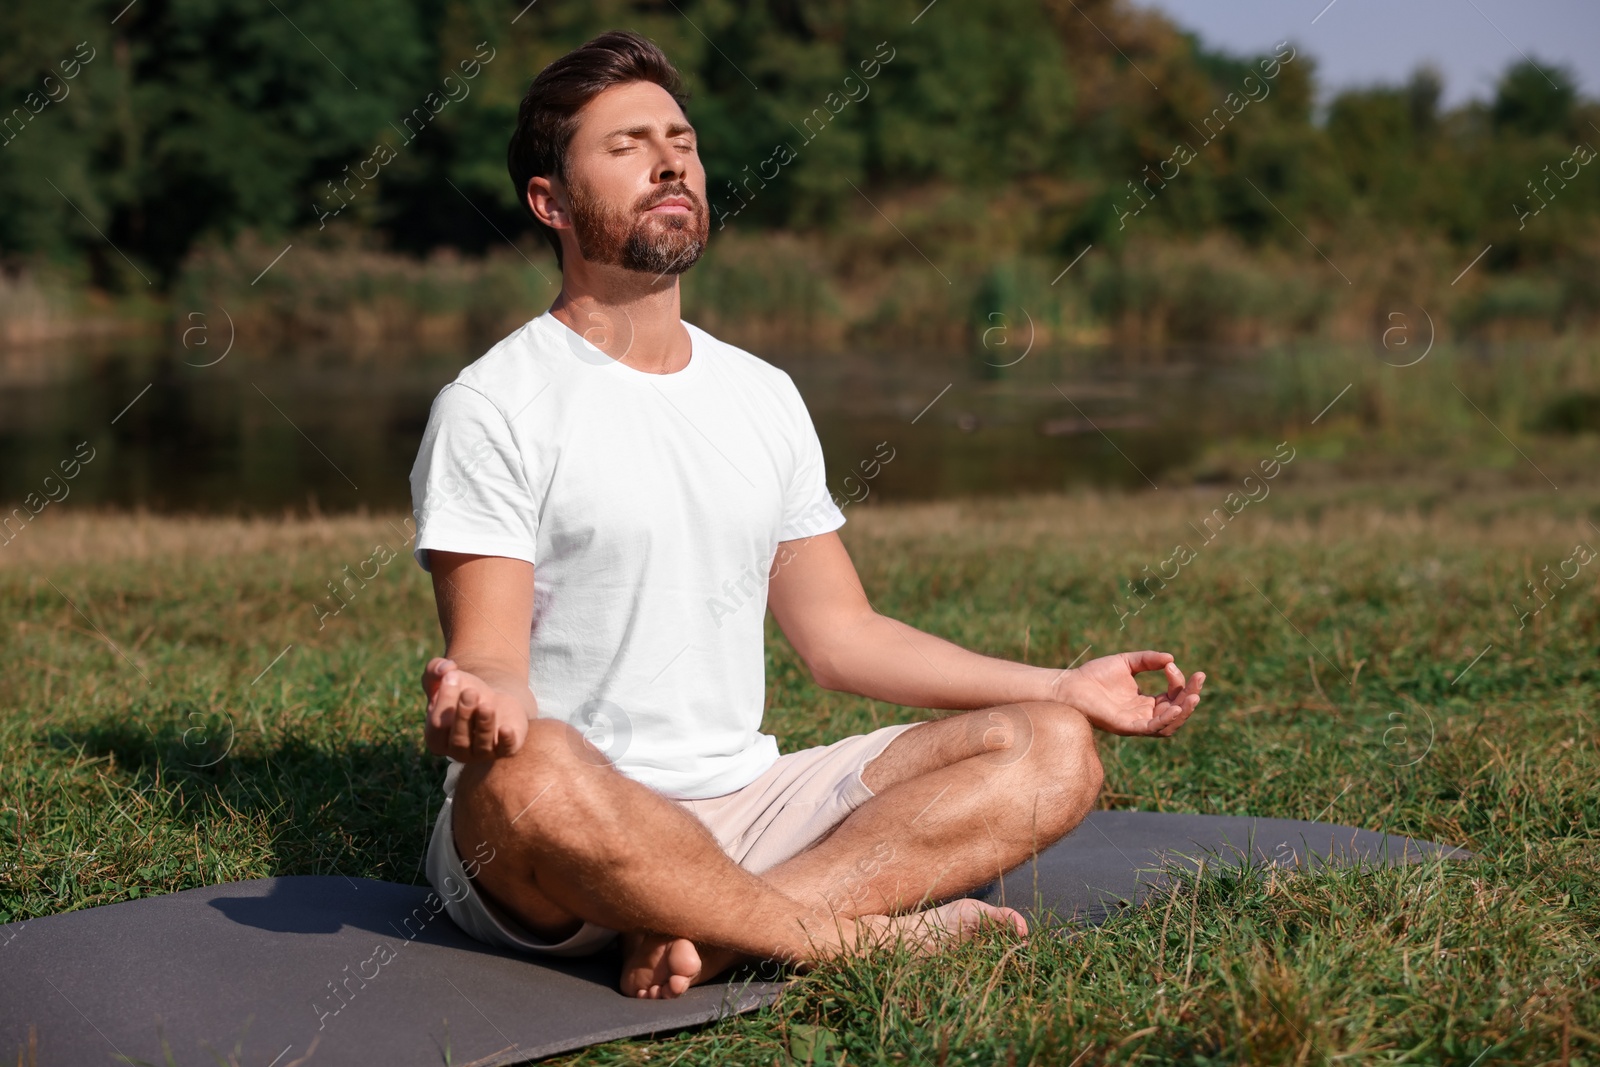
(468, 719)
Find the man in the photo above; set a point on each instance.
(608, 502)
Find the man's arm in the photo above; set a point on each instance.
(479, 702)
(818, 600)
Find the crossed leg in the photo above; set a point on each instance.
(958, 802)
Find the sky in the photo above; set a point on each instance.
(1365, 42)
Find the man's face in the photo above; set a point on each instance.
(635, 185)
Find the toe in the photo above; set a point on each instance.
(683, 965)
(1012, 918)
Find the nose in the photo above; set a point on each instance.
(672, 165)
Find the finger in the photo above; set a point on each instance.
(1172, 727)
(1171, 713)
(1175, 681)
(1178, 694)
(1169, 717)
(1182, 710)
(461, 729)
(509, 741)
(483, 727)
(446, 696)
(1187, 692)
(442, 682)
(1185, 710)
(1147, 660)
(437, 667)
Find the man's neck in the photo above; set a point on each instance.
(631, 317)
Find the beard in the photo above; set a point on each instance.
(633, 240)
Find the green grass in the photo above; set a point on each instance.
(1326, 617)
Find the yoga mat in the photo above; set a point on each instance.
(1113, 858)
(333, 970)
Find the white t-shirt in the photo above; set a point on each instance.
(651, 506)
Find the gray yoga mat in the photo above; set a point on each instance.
(331, 970)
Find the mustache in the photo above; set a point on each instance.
(668, 192)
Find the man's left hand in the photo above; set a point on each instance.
(1106, 691)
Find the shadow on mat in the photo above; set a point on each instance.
(294, 906)
(397, 913)
(359, 815)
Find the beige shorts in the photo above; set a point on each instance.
(791, 806)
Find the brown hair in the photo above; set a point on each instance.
(549, 114)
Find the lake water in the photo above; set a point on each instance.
(317, 427)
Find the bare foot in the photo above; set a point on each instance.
(659, 966)
(927, 931)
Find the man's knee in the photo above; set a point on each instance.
(546, 789)
(1064, 760)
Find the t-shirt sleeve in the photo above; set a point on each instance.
(469, 490)
(809, 508)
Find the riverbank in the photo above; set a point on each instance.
(870, 286)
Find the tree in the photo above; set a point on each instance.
(1534, 99)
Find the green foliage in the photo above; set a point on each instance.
(1571, 413)
(1534, 99)
(1036, 129)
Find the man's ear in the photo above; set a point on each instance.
(547, 200)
